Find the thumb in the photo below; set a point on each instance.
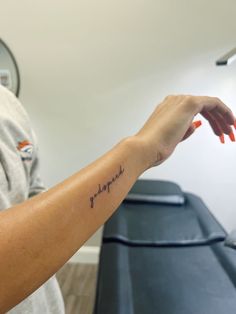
(191, 129)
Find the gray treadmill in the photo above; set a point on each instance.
(163, 253)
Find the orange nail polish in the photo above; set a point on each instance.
(198, 123)
(222, 138)
(235, 124)
(232, 137)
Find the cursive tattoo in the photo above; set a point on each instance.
(106, 187)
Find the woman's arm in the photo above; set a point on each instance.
(38, 236)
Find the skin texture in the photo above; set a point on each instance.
(39, 235)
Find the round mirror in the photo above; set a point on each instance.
(9, 71)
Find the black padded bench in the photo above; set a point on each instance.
(163, 253)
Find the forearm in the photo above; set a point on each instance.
(41, 234)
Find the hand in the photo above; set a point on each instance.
(172, 122)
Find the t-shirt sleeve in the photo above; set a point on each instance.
(36, 184)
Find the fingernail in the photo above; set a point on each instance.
(199, 123)
(222, 138)
(232, 137)
(235, 124)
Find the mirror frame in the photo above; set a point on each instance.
(18, 83)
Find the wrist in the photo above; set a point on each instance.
(140, 155)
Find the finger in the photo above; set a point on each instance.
(214, 104)
(215, 126)
(191, 129)
(226, 113)
(189, 132)
(223, 110)
(213, 123)
(226, 127)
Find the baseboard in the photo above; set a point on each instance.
(87, 255)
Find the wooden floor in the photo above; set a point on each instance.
(78, 284)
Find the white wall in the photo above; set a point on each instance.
(92, 72)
